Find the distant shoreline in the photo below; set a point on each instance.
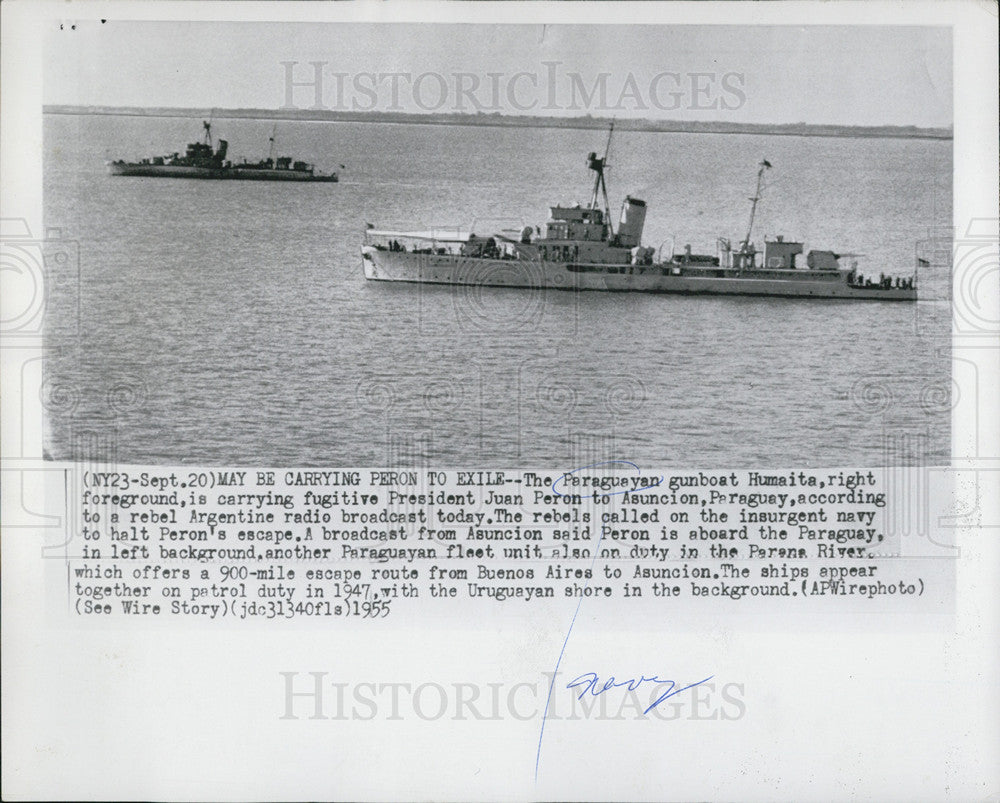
(516, 121)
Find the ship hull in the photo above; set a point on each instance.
(164, 171)
(395, 266)
(278, 175)
(221, 173)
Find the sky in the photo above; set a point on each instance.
(843, 75)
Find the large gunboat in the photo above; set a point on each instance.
(581, 249)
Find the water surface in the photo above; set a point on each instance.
(229, 322)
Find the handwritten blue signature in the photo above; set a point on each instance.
(591, 685)
(579, 602)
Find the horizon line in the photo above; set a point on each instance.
(498, 118)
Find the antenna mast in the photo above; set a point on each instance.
(600, 187)
(764, 165)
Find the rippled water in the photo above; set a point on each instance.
(229, 323)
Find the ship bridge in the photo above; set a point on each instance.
(576, 223)
(781, 253)
(589, 224)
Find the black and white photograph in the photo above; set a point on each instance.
(500, 401)
(499, 245)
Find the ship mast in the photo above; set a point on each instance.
(598, 166)
(208, 132)
(764, 165)
(270, 152)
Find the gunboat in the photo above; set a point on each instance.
(206, 161)
(581, 249)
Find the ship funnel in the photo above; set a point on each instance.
(220, 154)
(633, 219)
